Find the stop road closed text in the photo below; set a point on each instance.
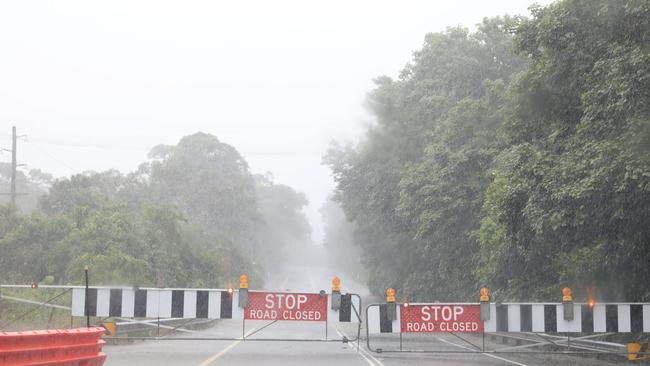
(285, 306)
(440, 318)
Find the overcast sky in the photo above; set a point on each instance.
(94, 85)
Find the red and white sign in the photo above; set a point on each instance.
(419, 318)
(286, 306)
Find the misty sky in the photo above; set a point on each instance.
(94, 85)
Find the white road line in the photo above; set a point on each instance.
(484, 354)
(371, 356)
(223, 351)
(360, 353)
(365, 354)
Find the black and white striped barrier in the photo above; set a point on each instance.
(157, 303)
(606, 317)
(511, 317)
(210, 304)
(378, 321)
(349, 310)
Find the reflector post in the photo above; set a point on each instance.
(111, 327)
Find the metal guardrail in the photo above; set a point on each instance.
(581, 345)
(35, 304)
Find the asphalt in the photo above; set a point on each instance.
(298, 347)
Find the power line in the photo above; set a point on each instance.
(72, 169)
(138, 148)
(85, 145)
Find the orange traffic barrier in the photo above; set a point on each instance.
(57, 347)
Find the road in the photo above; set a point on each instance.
(250, 352)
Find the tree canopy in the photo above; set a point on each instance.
(513, 157)
(193, 215)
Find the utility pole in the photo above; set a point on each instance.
(13, 166)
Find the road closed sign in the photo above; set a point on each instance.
(286, 306)
(419, 318)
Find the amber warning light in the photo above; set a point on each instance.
(484, 295)
(336, 284)
(390, 295)
(591, 296)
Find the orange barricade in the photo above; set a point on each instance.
(58, 347)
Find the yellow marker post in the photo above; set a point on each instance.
(633, 349)
(110, 327)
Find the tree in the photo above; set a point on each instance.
(193, 216)
(532, 168)
(414, 187)
(441, 196)
(570, 197)
(210, 183)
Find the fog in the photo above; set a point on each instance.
(95, 85)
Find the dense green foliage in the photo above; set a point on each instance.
(515, 157)
(191, 216)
